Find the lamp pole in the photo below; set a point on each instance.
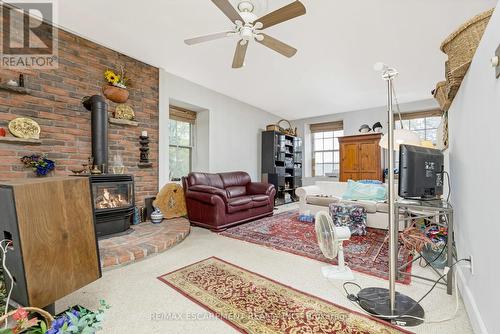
(393, 228)
(387, 303)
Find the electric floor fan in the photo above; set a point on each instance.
(330, 240)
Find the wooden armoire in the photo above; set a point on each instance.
(361, 157)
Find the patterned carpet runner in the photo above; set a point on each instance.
(366, 254)
(255, 304)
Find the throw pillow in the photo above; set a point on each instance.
(352, 216)
(357, 191)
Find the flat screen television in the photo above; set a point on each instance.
(420, 172)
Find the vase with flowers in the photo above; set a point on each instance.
(116, 88)
(39, 163)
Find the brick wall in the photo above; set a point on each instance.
(55, 103)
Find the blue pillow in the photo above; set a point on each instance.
(367, 192)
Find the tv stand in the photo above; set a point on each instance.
(429, 209)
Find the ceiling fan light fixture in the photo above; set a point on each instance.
(247, 26)
(258, 25)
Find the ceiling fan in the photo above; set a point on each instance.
(248, 28)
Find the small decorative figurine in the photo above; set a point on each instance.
(95, 170)
(144, 147)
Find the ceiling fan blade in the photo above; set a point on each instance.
(207, 38)
(239, 55)
(228, 9)
(283, 14)
(278, 46)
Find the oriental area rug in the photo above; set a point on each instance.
(252, 303)
(366, 254)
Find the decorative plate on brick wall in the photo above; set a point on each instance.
(124, 111)
(24, 128)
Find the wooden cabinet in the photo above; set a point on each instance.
(360, 157)
(51, 224)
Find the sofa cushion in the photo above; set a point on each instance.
(383, 207)
(239, 204)
(321, 200)
(207, 179)
(210, 190)
(236, 191)
(370, 206)
(235, 179)
(260, 198)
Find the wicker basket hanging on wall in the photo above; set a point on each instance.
(462, 44)
(460, 48)
(278, 128)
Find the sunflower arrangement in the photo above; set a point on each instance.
(111, 77)
(114, 79)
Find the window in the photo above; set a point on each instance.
(424, 123)
(326, 157)
(180, 143)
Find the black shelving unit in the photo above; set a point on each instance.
(282, 164)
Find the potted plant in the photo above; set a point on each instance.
(116, 88)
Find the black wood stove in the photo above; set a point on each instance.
(113, 194)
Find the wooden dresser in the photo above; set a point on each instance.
(360, 157)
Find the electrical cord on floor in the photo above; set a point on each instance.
(456, 304)
(354, 299)
(449, 185)
(4, 249)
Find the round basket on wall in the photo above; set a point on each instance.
(115, 94)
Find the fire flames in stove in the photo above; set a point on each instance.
(109, 200)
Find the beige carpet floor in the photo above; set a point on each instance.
(142, 304)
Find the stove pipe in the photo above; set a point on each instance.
(97, 105)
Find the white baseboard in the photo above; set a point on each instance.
(470, 304)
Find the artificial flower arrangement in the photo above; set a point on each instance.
(117, 80)
(39, 163)
(81, 321)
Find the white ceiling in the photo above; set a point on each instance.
(338, 42)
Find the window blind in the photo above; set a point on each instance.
(328, 126)
(420, 114)
(182, 115)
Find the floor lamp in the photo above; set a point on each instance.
(387, 303)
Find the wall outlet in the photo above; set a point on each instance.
(471, 263)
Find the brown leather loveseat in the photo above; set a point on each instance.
(217, 201)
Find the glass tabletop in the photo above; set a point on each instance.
(425, 204)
